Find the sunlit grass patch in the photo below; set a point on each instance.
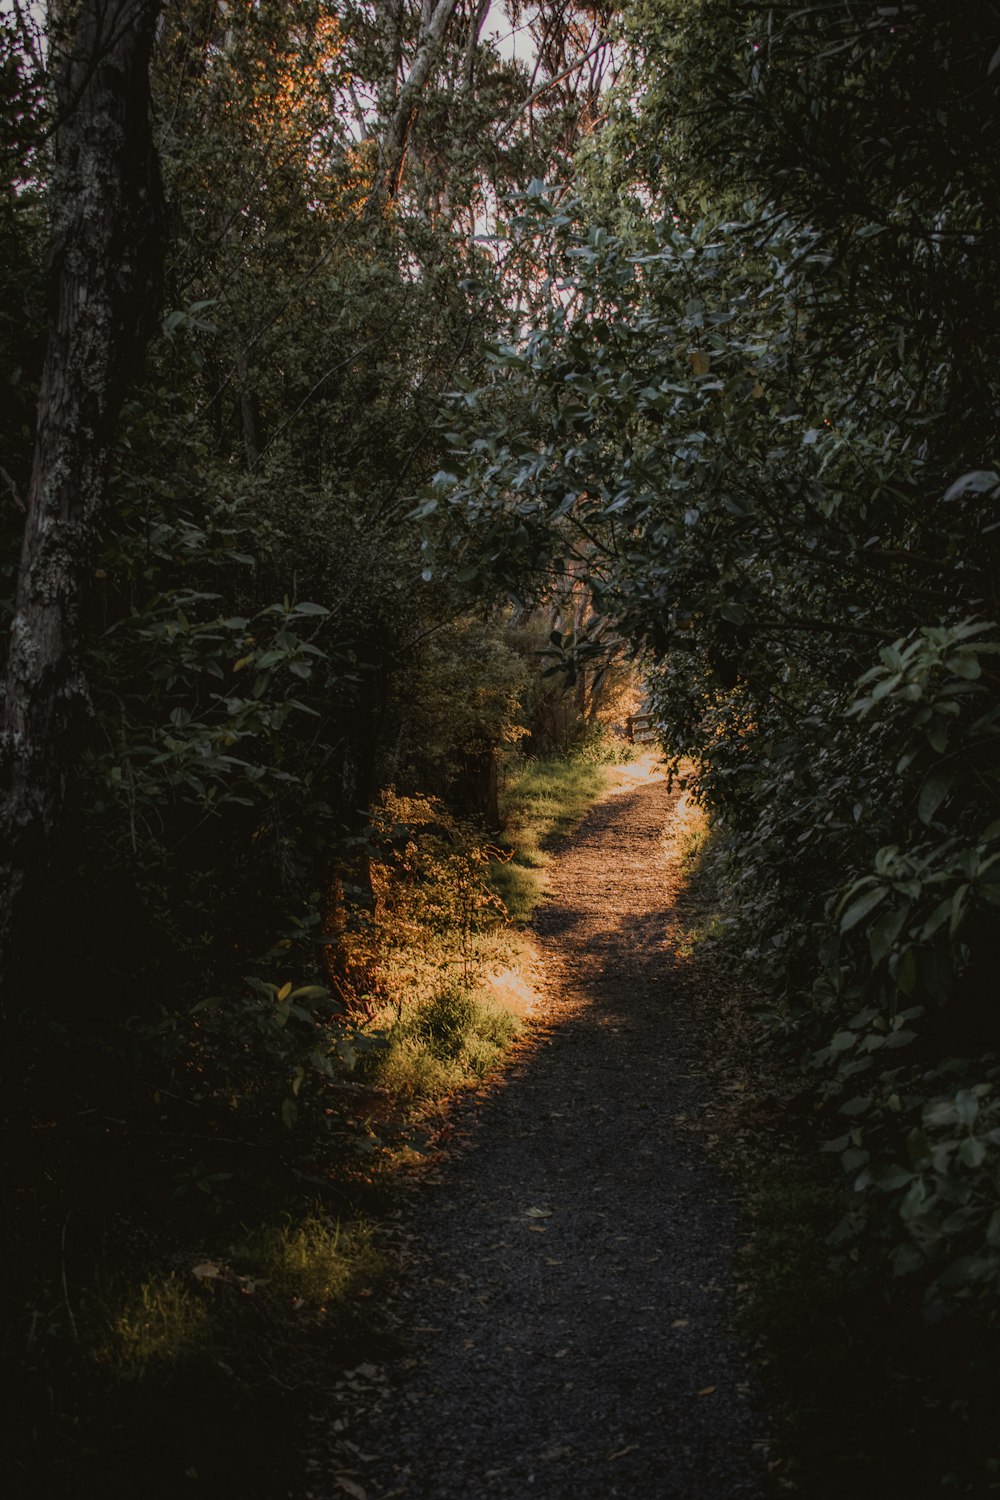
(541, 800)
(441, 1043)
(520, 887)
(158, 1325)
(294, 1267)
(310, 1261)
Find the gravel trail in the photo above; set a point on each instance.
(566, 1304)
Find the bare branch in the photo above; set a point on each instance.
(549, 83)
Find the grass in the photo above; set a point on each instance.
(287, 1272)
(311, 1264)
(203, 1370)
(158, 1325)
(443, 1043)
(541, 801)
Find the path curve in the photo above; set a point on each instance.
(566, 1309)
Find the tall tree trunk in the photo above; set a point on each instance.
(104, 281)
(395, 128)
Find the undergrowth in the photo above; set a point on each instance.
(218, 1262)
(284, 1275)
(857, 1381)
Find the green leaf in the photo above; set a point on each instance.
(906, 974)
(862, 906)
(885, 931)
(972, 1151)
(937, 785)
(906, 1259)
(888, 1179)
(843, 1041)
(966, 1107)
(976, 482)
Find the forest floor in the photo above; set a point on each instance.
(564, 1313)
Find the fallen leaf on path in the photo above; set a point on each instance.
(632, 1448)
(538, 1213)
(708, 1390)
(351, 1488)
(680, 1322)
(366, 1458)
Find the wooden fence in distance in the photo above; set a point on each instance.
(641, 729)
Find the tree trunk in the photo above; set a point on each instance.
(348, 929)
(104, 281)
(395, 128)
(478, 789)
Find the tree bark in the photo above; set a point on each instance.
(104, 282)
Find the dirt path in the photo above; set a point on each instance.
(566, 1308)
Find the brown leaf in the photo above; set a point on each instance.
(708, 1390)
